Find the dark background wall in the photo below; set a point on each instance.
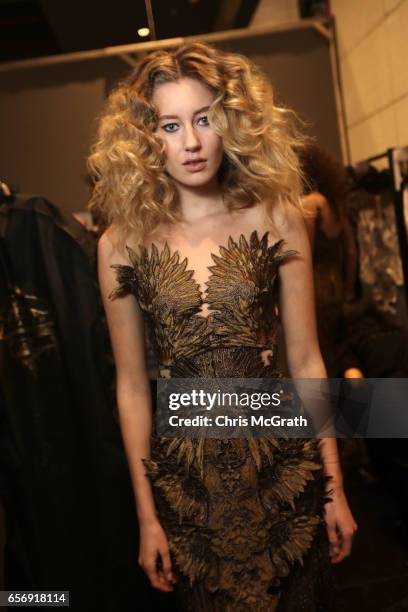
(48, 115)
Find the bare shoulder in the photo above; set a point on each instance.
(111, 252)
(290, 225)
(112, 246)
(287, 218)
(256, 217)
(108, 248)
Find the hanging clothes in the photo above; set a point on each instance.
(328, 269)
(64, 480)
(380, 261)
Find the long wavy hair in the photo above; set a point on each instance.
(132, 190)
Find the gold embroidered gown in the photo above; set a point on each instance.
(243, 518)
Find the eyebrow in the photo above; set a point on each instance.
(200, 110)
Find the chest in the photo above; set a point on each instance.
(238, 278)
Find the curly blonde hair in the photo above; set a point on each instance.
(132, 190)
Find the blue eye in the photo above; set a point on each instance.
(167, 125)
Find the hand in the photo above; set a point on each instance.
(340, 524)
(154, 544)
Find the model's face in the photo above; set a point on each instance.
(183, 125)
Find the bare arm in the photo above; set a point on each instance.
(297, 308)
(125, 325)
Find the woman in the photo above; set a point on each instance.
(195, 165)
(334, 256)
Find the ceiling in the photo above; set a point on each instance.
(33, 28)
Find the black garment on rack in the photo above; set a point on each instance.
(64, 479)
(328, 265)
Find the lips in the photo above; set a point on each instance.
(194, 161)
(195, 166)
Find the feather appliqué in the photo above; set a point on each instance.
(240, 514)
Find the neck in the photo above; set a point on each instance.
(197, 203)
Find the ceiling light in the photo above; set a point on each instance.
(143, 31)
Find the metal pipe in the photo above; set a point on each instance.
(150, 19)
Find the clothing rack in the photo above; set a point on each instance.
(393, 156)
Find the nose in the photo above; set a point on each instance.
(191, 140)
